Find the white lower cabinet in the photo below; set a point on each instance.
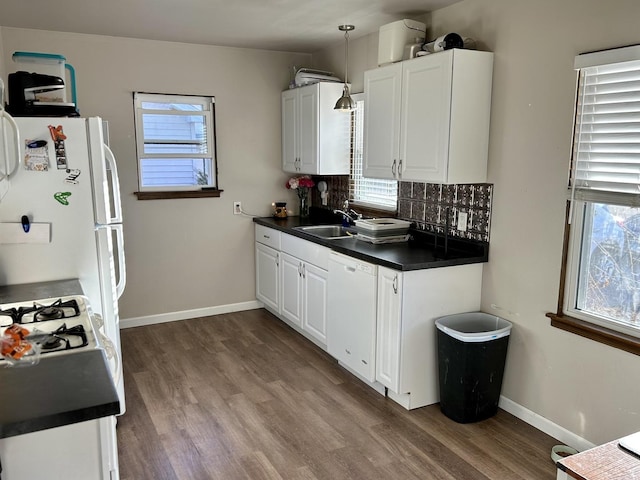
(268, 277)
(407, 307)
(81, 451)
(314, 301)
(389, 316)
(291, 281)
(376, 321)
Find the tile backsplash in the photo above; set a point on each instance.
(429, 205)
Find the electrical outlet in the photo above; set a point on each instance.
(237, 208)
(462, 221)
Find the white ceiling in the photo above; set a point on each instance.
(285, 25)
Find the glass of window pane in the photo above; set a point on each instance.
(176, 172)
(609, 277)
(175, 129)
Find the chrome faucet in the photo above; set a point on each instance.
(349, 214)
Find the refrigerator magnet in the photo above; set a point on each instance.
(62, 197)
(58, 137)
(72, 176)
(36, 155)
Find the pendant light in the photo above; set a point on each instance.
(345, 102)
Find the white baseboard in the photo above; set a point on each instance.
(545, 425)
(186, 314)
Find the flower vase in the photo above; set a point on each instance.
(304, 204)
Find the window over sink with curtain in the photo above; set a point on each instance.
(175, 140)
(602, 270)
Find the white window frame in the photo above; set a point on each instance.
(207, 112)
(358, 184)
(588, 186)
(577, 255)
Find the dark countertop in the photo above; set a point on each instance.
(416, 254)
(38, 291)
(57, 391)
(60, 390)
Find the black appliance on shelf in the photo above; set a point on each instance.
(27, 96)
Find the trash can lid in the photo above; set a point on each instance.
(474, 326)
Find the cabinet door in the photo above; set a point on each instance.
(382, 96)
(426, 113)
(291, 283)
(308, 129)
(388, 335)
(31, 455)
(267, 278)
(289, 130)
(314, 318)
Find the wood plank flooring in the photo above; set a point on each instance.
(243, 396)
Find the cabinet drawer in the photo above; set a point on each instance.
(268, 236)
(307, 251)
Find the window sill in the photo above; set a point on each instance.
(178, 194)
(596, 333)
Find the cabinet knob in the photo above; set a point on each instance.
(393, 167)
(348, 352)
(400, 169)
(395, 284)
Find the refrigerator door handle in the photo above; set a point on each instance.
(16, 138)
(122, 269)
(115, 185)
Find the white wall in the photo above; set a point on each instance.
(586, 387)
(188, 253)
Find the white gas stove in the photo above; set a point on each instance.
(56, 326)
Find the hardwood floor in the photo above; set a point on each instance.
(243, 396)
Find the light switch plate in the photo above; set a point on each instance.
(462, 221)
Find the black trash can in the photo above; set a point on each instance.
(472, 348)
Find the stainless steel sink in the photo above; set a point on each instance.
(327, 232)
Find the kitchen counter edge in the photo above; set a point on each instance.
(24, 409)
(397, 256)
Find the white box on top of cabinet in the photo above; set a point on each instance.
(427, 119)
(315, 137)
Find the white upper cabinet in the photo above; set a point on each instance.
(382, 96)
(315, 137)
(427, 119)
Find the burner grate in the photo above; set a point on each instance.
(42, 313)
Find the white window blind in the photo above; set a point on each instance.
(603, 261)
(367, 191)
(606, 146)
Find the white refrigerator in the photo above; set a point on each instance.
(65, 192)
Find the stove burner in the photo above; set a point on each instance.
(48, 313)
(62, 338)
(51, 343)
(42, 313)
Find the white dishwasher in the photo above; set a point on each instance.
(351, 324)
